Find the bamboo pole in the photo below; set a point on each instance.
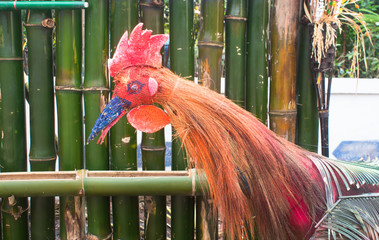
(42, 156)
(283, 68)
(95, 80)
(235, 53)
(153, 145)
(210, 45)
(307, 114)
(101, 183)
(12, 122)
(257, 58)
(123, 139)
(69, 108)
(153, 156)
(40, 5)
(182, 63)
(235, 42)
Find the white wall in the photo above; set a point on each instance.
(354, 111)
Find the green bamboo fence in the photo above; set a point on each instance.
(69, 108)
(95, 96)
(123, 185)
(182, 63)
(153, 145)
(44, 4)
(123, 139)
(307, 114)
(101, 183)
(257, 58)
(283, 68)
(235, 45)
(210, 44)
(12, 121)
(42, 156)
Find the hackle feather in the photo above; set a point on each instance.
(252, 173)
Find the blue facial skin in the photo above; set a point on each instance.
(111, 111)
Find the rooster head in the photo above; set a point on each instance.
(134, 88)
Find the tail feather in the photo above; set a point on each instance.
(230, 145)
(258, 181)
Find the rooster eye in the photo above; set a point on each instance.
(134, 88)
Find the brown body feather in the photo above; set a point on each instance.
(253, 175)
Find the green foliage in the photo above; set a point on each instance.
(345, 45)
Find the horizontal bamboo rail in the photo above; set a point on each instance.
(101, 183)
(15, 5)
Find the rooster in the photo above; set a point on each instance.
(258, 181)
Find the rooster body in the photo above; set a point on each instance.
(259, 182)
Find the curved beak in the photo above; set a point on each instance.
(112, 112)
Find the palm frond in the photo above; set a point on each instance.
(348, 217)
(350, 173)
(351, 218)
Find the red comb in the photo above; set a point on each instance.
(140, 49)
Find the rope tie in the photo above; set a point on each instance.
(14, 4)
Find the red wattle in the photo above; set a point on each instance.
(148, 118)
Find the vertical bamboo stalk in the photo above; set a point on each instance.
(153, 145)
(235, 52)
(182, 63)
(235, 42)
(210, 45)
(307, 120)
(123, 139)
(153, 149)
(69, 107)
(12, 121)
(95, 81)
(283, 68)
(257, 58)
(39, 26)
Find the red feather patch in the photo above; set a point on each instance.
(148, 118)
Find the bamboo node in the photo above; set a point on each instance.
(153, 148)
(12, 59)
(230, 17)
(283, 113)
(42, 159)
(66, 88)
(210, 44)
